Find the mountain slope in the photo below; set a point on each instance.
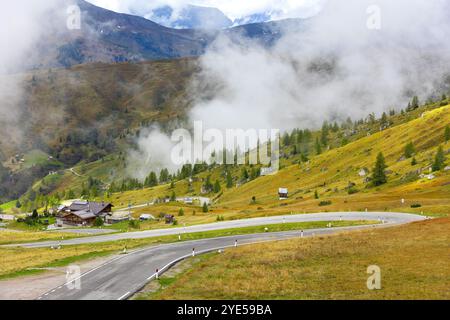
(87, 112)
(190, 17)
(111, 37)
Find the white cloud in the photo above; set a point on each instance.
(234, 9)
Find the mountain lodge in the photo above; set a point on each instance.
(83, 213)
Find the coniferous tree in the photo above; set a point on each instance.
(409, 150)
(244, 174)
(229, 180)
(318, 147)
(205, 208)
(414, 162)
(439, 160)
(384, 120)
(217, 187)
(415, 103)
(379, 172)
(70, 195)
(324, 133)
(447, 133)
(164, 176)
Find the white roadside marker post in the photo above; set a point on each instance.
(157, 274)
(301, 234)
(179, 237)
(236, 244)
(193, 252)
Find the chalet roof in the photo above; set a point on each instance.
(94, 207)
(84, 214)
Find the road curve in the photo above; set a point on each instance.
(125, 275)
(387, 217)
(121, 277)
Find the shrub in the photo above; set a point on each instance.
(134, 224)
(181, 212)
(353, 190)
(416, 205)
(98, 222)
(325, 203)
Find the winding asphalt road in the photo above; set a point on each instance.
(391, 218)
(125, 275)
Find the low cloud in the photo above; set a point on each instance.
(336, 68)
(234, 9)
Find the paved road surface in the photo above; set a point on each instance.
(391, 218)
(125, 275)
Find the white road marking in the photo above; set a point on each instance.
(122, 297)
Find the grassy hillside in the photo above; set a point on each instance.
(330, 175)
(86, 113)
(413, 260)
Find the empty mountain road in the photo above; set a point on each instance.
(389, 218)
(123, 276)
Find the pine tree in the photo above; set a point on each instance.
(439, 160)
(316, 195)
(447, 133)
(379, 175)
(409, 150)
(244, 174)
(205, 208)
(415, 103)
(229, 180)
(384, 120)
(324, 134)
(318, 147)
(173, 197)
(414, 162)
(217, 187)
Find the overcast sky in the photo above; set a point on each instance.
(232, 8)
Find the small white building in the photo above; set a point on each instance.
(146, 217)
(363, 172)
(267, 171)
(283, 193)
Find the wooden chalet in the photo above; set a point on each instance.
(83, 213)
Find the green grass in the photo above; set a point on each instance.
(413, 260)
(6, 207)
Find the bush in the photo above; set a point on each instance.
(416, 205)
(98, 222)
(352, 190)
(325, 203)
(220, 218)
(181, 212)
(175, 222)
(134, 224)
